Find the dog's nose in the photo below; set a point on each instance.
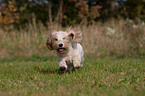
(60, 45)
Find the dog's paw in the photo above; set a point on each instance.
(62, 68)
(77, 67)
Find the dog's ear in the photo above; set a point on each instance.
(49, 43)
(49, 40)
(75, 35)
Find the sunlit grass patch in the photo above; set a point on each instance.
(99, 76)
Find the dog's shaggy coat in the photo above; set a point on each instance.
(69, 50)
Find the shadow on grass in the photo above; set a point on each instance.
(50, 71)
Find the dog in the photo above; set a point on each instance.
(68, 48)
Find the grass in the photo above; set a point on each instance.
(111, 38)
(27, 68)
(39, 76)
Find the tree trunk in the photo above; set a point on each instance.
(49, 8)
(59, 16)
(61, 12)
(34, 21)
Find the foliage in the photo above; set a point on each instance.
(9, 14)
(94, 12)
(83, 9)
(70, 12)
(108, 9)
(133, 9)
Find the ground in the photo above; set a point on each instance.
(39, 76)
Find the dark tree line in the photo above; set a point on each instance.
(66, 12)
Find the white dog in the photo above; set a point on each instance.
(69, 51)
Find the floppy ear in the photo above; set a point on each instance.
(75, 35)
(49, 43)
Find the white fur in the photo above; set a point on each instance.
(74, 56)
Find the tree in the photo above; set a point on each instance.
(134, 8)
(9, 14)
(50, 15)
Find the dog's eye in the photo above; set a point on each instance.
(56, 39)
(63, 38)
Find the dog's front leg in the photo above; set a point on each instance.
(76, 62)
(62, 65)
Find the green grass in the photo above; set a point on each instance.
(39, 76)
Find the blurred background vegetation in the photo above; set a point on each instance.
(116, 26)
(68, 12)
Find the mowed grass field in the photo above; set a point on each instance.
(39, 76)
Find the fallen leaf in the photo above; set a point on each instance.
(122, 73)
(120, 80)
(106, 70)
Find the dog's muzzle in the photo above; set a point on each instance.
(60, 45)
(61, 48)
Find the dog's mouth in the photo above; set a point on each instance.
(61, 50)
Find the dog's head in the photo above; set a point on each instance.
(61, 40)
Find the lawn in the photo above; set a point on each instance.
(39, 76)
